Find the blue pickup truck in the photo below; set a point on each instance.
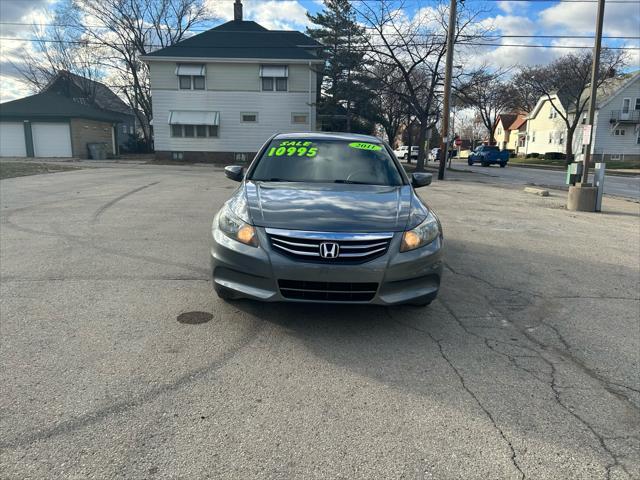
(487, 155)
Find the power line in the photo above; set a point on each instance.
(489, 44)
(610, 37)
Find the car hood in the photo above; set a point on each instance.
(328, 207)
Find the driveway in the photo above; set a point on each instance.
(622, 186)
(118, 361)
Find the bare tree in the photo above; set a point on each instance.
(121, 31)
(565, 84)
(414, 50)
(525, 96)
(489, 97)
(56, 53)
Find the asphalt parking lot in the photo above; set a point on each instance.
(117, 360)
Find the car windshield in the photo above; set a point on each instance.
(326, 161)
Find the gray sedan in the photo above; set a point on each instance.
(324, 217)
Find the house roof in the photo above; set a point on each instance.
(242, 39)
(507, 119)
(102, 96)
(561, 100)
(609, 88)
(518, 122)
(53, 105)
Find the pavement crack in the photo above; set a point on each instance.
(470, 392)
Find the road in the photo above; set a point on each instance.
(119, 362)
(623, 186)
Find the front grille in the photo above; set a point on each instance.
(328, 291)
(349, 247)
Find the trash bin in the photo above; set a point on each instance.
(97, 151)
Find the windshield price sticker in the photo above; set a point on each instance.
(366, 146)
(293, 148)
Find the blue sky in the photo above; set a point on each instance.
(552, 18)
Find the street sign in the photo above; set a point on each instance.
(458, 142)
(586, 134)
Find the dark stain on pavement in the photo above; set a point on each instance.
(194, 318)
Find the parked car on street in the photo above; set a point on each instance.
(402, 152)
(487, 155)
(322, 217)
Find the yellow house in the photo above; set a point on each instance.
(546, 131)
(502, 132)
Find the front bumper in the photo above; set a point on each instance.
(253, 272)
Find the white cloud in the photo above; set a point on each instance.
(271, 14)
(621, 19)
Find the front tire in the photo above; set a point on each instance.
(223, 293)
(470, 162)
(503, 164)
(484, 164)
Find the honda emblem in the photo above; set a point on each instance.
(329, 250)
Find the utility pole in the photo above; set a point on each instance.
(595, 66)
(444, 144)
(583, 196)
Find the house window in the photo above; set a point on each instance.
(550, 137)
(626, 104)
(637, 107)
(638, 138)
(274, 77)
(248, 117)
(131, 129)
(281, 84)
(561, 138)
(194, 131)
(124, 129)
(191, 82)
(533, 137)
(615, 156)
(584, 119)
(299, 118)
(619, 132)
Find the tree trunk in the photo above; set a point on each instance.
(569, 149)
(421, 140)
(410, 141)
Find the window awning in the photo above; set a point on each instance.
(196, 70)
(274, 71)
(194, 118)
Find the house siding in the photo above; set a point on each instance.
(274, 115)
(543, 126)
(604, 142)
(89, 131)
(226, 76)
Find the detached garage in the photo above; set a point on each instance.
(51, 125)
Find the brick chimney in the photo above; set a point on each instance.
(237, 11)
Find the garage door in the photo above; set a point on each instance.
(51, 139)
(12, 140)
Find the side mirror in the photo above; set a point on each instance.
(421, 179)
(234, 172)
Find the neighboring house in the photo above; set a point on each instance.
(518, 134)
(546, 131)
(616, 130)
(52, 125)
(95, 94)
(502, 133)
(220, 94)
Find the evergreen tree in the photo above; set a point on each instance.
(346, 101)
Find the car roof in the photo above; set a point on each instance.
(349, 137)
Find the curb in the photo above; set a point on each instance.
(563, 169)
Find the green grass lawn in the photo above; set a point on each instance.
(22, 169)
(611, 164)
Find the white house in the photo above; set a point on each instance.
(220, 94)
(546, 130)
(616, 125)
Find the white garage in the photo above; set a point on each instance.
(12, 142)
(51, 139)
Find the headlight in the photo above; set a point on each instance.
(237, 229)
(423, 234)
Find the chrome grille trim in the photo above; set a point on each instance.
(305, 245)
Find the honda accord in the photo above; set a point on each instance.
(327, 217)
